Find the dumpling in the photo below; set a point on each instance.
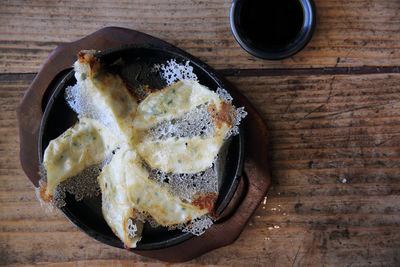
(117, 209)
(145, 195)
(86, 143)
(172, 102)
(183, 155)
(102, 95)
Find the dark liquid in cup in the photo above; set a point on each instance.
(272, 23)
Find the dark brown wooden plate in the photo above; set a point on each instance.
(256, 179)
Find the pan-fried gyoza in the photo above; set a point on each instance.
(179, 129)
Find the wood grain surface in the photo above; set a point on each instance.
(348, 33)
(333, 111)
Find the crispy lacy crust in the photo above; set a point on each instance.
(43, 196)
(205, 201)
(86, 56)
(224, 115)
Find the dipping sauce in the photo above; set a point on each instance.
(271, 24)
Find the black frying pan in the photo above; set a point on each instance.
(136, 70)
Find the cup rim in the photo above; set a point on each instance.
(289, 50)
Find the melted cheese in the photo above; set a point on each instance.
(146, 195)
(107, 91)
(172, 102)
(84, 144)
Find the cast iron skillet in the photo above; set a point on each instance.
(136, 69)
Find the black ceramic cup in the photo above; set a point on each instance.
(273, 29)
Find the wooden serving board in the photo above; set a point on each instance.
(256, 177)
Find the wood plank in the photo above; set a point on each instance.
(310, 71)
(355, 33)
(331, 175)
(334, 198)
(108, 263)
(338, 242)
(73, 245)
(57, 223)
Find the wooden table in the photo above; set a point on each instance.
(333, 111)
